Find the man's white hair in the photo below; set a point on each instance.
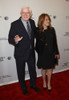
(28, 8)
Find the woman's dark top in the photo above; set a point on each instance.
(46, 48)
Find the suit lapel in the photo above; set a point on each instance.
(22, 28)
(21, 25)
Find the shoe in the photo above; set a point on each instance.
(25, 92)
(44, 88)
(35, 88)
(49, 90)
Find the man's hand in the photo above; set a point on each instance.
(17, 38)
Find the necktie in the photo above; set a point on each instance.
(29, 30)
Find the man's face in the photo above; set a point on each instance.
(25, 14)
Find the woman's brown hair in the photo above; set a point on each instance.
(41, 21)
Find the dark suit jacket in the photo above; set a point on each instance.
(22, 49)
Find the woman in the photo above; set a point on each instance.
(47, 48)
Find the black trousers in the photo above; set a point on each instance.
(20, 63)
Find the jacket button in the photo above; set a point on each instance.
(46, 44)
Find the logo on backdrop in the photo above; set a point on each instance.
(66, 34)
(3, 38)
(4, 76)
(5, 58)
(53, 16)
(2, 59)
(66, 0)
(67, 49)
(66, 64)
(9, 58)
(5, 18)
(67, 17)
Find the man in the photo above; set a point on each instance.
(21, 35)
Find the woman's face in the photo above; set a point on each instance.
(46, 21)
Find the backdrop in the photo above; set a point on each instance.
(10, 11)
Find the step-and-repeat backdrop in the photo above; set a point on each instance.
(10, 11)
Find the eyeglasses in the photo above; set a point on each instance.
(25, 13)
